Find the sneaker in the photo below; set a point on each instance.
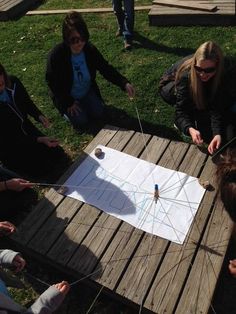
(127, 45)
(119, 33)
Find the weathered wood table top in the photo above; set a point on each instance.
(146, 270)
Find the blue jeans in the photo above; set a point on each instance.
(90, 106)
(3, 288)
(125, 18)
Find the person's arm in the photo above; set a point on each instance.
(15, 184)
(7, 257)
(184, 118)
(6, 228)
(104, 68)
(51, 299)
(216, 127)
(23, 100)
(59, 76)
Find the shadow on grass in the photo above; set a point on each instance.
(120, 118)
(143, 42)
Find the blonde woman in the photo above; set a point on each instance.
(196, 87)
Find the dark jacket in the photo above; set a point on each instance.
(186, 113)
(14, 122)
(59, 73)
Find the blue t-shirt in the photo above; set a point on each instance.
(4, 97)
(82, 79)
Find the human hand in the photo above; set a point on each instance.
(130, 90)
(6, 228)
(45, 122)
(232, 267)
(214, 144)
(74, 110)
(18, 184)
(18, 263)
(63, 287)
(196, 136)
(50, 142)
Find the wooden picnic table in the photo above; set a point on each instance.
(135, 266)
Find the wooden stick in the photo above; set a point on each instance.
(89, 10)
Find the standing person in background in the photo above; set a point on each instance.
(197, 87)
(125, 20)
(71, 74)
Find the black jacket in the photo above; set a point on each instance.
(186, 113)
(14, 122)
(59, 73)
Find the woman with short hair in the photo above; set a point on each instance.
(71, 74)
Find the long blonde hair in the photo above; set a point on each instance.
(207, 51)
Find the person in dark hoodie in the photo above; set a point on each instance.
(24, 148)
(71, 74)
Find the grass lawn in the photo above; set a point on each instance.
(26, 42)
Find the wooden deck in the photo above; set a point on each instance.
(161, 15)
(10, 9)
(130, 264)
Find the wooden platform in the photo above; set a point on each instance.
(130, 264)
(161, 15)
(10, 9)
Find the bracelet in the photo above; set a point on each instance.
(6, 187)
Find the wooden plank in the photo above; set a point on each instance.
(36, 219)
(105, 228)
(172, 274)
(174, 155)
(65, 246)
(117, 256)
(194, 5)
(156, 18)
(69, 241)
(54, 225)
(160, 10)
(141, 271)
(94, 244)
(88, 10)
(198, 290)
(10, 4)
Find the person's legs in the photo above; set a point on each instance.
(129, 20)
(93, 105)
(3, 288)
(80, 120)
(118, 11)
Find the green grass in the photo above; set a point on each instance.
(26, 42)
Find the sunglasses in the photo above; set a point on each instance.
(75, 40)
(204, 70)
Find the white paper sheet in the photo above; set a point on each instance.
(123, 186)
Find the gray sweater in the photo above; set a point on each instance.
(47, 303)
